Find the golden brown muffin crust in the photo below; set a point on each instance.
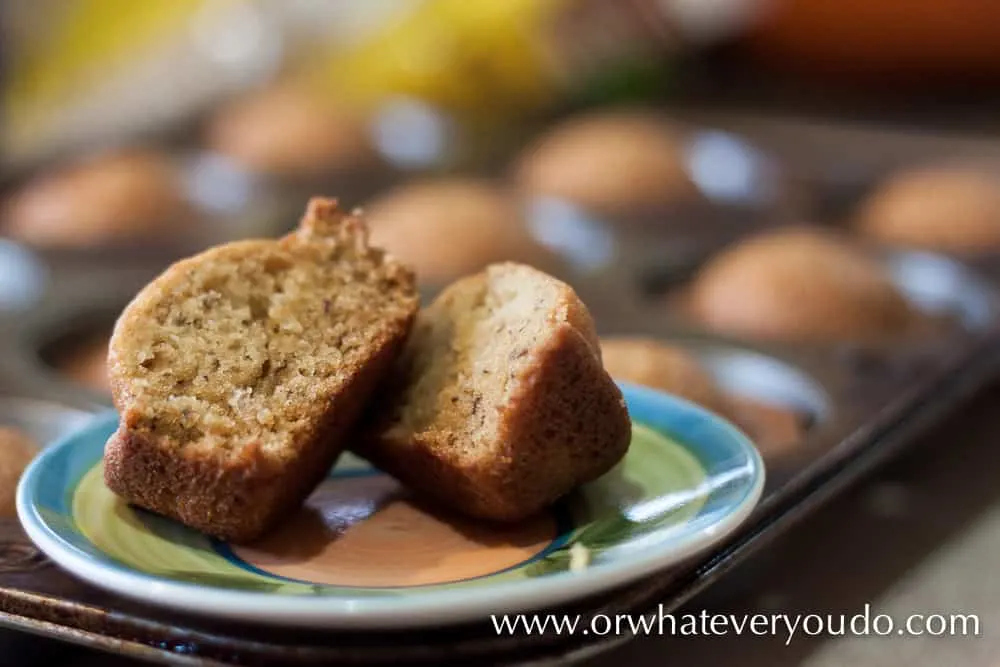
(610, 162)
(951, 208)
(117, 196)
(798, 284)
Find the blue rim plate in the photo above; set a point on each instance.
(363, 554)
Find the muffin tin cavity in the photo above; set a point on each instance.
(42, 421)
(584, 241)
(942, 287)
(776, 403)
(25, 427)
(74, 350)
(765, 379)
(22, 277)
(82, 360)
(731, 172)
(231, 202)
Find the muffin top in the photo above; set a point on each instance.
(113, 196)
(289, 131)
(448, 228)
(951, 208)
(16, 452)
(798, 284)
(612, 162)
(662, 366)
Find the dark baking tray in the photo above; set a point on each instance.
(868, 403)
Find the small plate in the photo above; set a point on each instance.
(363, 554)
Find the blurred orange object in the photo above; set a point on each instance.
(908, 40)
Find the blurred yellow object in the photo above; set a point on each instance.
(93, 69)
(84, 39)
(474, 57)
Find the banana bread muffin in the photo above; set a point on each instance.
(238, 372)
(611, 162)
(452, 227)
(118, 196)
(16, 452)
(289, 131)
(668, 368)
(951, 208)
(799, 284)
(500, 404)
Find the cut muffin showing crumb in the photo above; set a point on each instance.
(501, 404)
(238, 372)
(85, 362)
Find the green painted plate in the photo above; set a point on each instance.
(363, 553)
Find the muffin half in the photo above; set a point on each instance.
(501, 404)
(238, 372)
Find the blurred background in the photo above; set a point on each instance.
(730, 184)
(613, 143)
(84, 72)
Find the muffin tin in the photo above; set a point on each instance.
(855, 404)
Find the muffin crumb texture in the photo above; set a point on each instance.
(502, 405)
(245, 364)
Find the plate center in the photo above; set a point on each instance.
(366, 530)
